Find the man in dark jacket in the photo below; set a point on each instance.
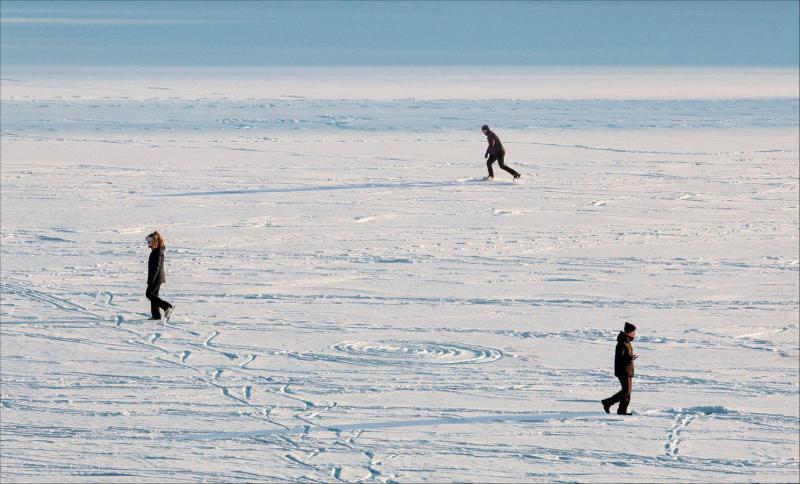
(495, 152)
(623, 370)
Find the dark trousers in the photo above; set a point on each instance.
(155, 301)
(499, 159)
(623, 396)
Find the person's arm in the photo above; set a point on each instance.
(152, 269)
(629, 354)
(160, 265)
(623, 355)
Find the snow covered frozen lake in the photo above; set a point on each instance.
(355, 304)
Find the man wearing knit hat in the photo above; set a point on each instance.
(623, 370)
(496, 152)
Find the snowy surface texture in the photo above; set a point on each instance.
(355, 304)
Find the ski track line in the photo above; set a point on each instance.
(523, 417)
(402, 353)
(66, 305)
(147, 345)
(36, 295)
(374, 462)
(211, 337)
(175, 363)
(307, 407)
(227, 392)
(299, 461)
(284, 391)
(178, 328)
(184, 355)
(633, 152)
(250, 358)
(65, 339)
(765, 305)
(229, 355)
(265, 414)
(246, 390)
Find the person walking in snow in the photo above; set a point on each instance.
(495, 152)
(623, 370)
(155, 277)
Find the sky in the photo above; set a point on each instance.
(477, 33)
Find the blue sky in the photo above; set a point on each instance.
(400, 33)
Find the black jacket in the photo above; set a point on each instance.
(155, 267)
(623, 356)
(495, 146)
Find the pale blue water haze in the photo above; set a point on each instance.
(399, 33)
(265, 119)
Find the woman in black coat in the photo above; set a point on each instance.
(155, 277)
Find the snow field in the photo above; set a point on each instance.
(355, 305)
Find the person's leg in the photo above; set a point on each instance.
(489, 162)
(615, 398)
(501, 164)
(152, 295)
(160, 302)
(164, 304)
(627, 387)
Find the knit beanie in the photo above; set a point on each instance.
(629, 327)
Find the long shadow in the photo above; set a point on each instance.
(323, 188)
(514, 417)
